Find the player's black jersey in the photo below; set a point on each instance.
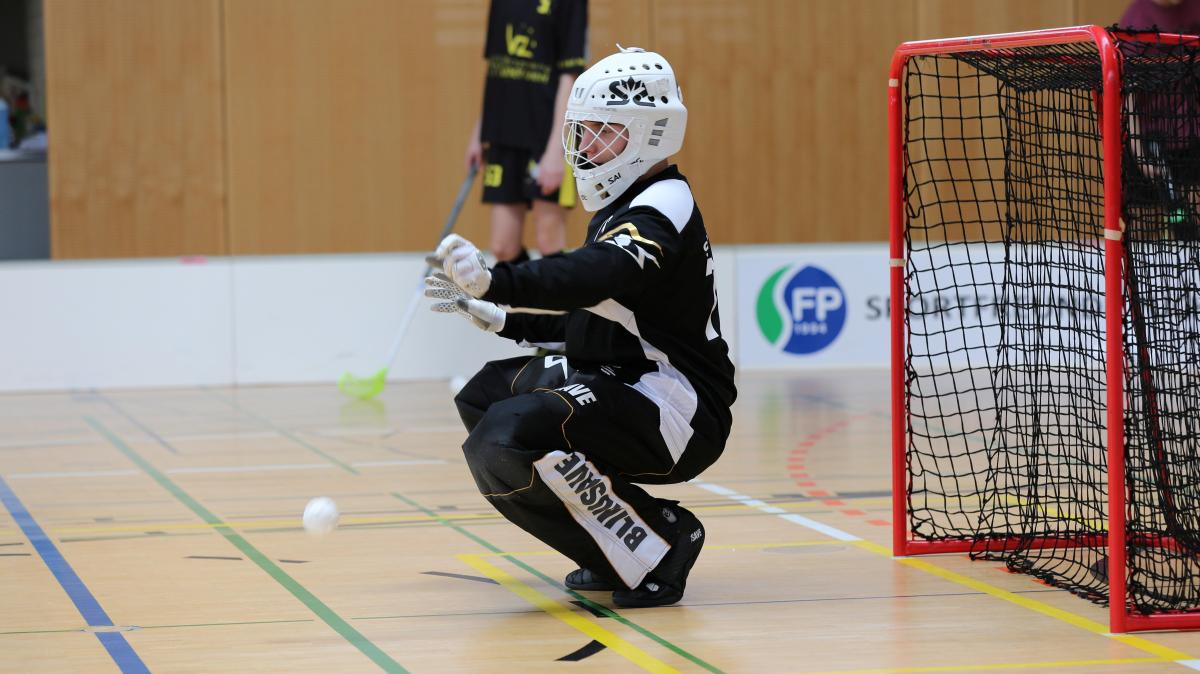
(529, 44)
(640, 299)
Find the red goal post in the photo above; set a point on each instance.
(1108, 539)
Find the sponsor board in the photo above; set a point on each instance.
(812, 306)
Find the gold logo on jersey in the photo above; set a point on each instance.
(624, 237)
(543, 7)
(518, 45)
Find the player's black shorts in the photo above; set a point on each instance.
(508, 179)
(1181, 162)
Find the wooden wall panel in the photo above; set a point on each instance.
(787, 104)
(340, 127)
(1099, 12)
(134, 108)
(610, 22)
(953, 18)
(348, 121)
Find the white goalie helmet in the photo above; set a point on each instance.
(631, 95)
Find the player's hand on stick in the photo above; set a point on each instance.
(474, 155)
(462, 262)
(454, 300)
(550, 170)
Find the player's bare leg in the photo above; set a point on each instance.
(550, 221)
(507, 221)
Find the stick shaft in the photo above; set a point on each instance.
(411, 309)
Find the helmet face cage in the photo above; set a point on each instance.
(598, 183)
(584, 141)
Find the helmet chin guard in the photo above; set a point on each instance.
(633, 95)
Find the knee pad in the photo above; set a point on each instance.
(478, 394)
(510, 436)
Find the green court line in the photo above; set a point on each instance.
(297, 590)
(159, 627)
(283, 431)
(588, 602)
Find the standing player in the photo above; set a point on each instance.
(534, 50)
(1164, 128)
(643, 393)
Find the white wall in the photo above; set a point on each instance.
(287, 319)
(311, 318)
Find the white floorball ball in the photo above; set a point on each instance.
(320, 516)
(456, 383)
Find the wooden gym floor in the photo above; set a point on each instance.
(158, 530)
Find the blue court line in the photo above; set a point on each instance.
(114, 642)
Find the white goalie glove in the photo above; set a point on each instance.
(454, 300)
(463, 264)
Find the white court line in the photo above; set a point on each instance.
(75, 473)
(832, 532)
(349, 432)
(34, 444)
(823, 528)
(398, 462)
(718, 489)
(1190, 664)
(221, 469)
(228, 435)
(382, 432)
(249, 469)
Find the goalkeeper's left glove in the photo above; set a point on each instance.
(484, 315)
(463, 264)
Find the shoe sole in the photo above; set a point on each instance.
(591, 587)
(667, 600)
(596, 586)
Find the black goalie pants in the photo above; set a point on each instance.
(557, 451)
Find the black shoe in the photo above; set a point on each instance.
(588, 580)
(664, 585)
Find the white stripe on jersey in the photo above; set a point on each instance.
(667, 388)
(629, 544)
(673, 198)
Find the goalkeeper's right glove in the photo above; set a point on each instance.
(484, 315)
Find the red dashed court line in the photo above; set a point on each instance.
(803, 478)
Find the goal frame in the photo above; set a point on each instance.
(1121, 618)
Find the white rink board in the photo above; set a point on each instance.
(252, 320)
(132, 323)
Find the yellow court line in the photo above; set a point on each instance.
(803, 505)
(1024, 602)
(632, 653)
(396, 519)
(733, 546)
(1053, 511)
(260, 524)
(993, 667)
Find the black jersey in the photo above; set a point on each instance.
(640, 300)
(529, 44)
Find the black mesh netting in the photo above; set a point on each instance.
(1005, 367)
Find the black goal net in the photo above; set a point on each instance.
(1005, 368)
